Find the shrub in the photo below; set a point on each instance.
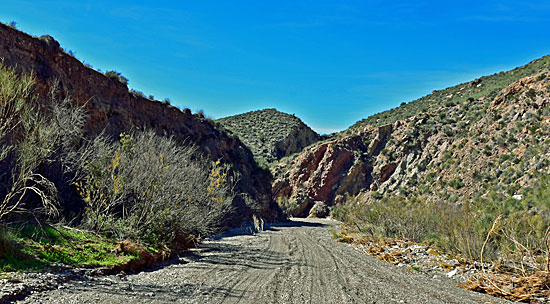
(290, 207)
(7, 247)
(531, 93)
(456, 183)
(117, 76)
(137, 93)
(149, 188)
(377, 195)
(30, 139)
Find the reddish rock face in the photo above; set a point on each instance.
(321, 172)
(332, 170)
(111, 107)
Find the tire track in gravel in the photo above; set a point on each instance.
(293, 262)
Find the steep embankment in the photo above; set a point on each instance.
(111, 107)
(467, 148)
(270, 134)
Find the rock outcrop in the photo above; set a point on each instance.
(111, 107)
(328, 170)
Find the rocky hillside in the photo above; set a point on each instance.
(113, 108)
(270, 134)
(473, 145)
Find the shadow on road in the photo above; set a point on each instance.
(251, 230)
(227, 254)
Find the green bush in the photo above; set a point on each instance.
(456, 183)
(531, 93)
(290, 207)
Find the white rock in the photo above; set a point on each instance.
(452, 273)
(517, 197)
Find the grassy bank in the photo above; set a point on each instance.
(38, 248)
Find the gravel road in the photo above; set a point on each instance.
(295, 262)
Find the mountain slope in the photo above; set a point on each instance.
(113, 109)
(497, 143)
(487, 86)
(270, 134)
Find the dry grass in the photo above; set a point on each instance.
(510, 236)
(514, 283)
(531, 289)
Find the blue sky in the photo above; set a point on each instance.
(329, 62)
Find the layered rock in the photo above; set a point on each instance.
(113, 109)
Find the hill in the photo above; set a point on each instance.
(270, 134)
(486, 137)
(113, 109)
(466, 170)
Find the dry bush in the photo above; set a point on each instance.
(512, 235)
(31, 137)
(149, 188)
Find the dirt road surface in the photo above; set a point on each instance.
(295, 262)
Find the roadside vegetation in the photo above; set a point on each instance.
(480, 187)
(67, 199)
(513, 234)
(32, 247)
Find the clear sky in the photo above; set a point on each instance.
(329, 62)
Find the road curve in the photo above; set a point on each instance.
(294, 262)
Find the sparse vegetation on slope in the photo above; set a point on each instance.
(469, 178)
(454, 154)
(270, 134)
(487, 87)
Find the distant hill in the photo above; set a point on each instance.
(270, 134)
(490, 136)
